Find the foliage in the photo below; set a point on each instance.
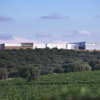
(49, 60)
(13, 74)
(79, 94)
(3, 73)
(51, 86)
(45, 72)
(29, 73)
(74, 67)
(95, 64)
(58, 70)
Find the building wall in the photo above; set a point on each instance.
(88, 45)
(39, 46)
(59, 46)
(10, 44)
(81, 45)
(14, 46)
(72, 46)
(92, 46)
(75, 46)
(27, 44)
(17, 47)
(2, 47)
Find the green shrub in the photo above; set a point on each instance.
(3, 73)
(29, 73)
(44, 72)
(13, 74)
(74, 67)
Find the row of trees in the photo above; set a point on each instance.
(29, 73)
(32, 73)
(48, 61)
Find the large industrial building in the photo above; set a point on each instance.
(74, 46)
(88, 45)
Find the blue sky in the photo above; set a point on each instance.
(49, 21)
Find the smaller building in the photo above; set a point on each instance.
(16, 46)
(59, 46)
(42, 46)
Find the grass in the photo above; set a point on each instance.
(48, 85)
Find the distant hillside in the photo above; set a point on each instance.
(49, 61)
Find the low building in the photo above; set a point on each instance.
(42, 46)
(59, 46)
(16, 46)
(88, 45)
(72, 46)
(75, 46)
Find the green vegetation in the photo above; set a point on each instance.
(59, 69)
(3, 73)
(29, 73)
(49, 85)
(48, 61)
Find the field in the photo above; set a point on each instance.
(48, 85)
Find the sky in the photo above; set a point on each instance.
(49, 21)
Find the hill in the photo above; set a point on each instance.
(49, 60)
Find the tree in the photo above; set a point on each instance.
(74, 67)
(45, 72)
(3, 73)
(29, 73)
(95, 64)
(58, 70)
(13, 74)
(3, 64)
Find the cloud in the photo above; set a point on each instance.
(60, 42)
(98, 16)
(79, 33)
(5, 37)
(67, 35)
(52, 16)
(2, 18)
(43, 35)
(82, 32)
(18, 40)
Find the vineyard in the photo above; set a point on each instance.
(49, 85)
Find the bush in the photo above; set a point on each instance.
(95, 64)
(13, 75)
(74, 67)
(29, 73)
(79, 94)
(58, 70)
(44, 72)
(3, 73)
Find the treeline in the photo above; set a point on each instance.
(48, 61)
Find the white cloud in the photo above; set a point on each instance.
(18, 40)
(43, 35)
(82, 32)
(60, 42)
(52, 16)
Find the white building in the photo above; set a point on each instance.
(39, 46)
(74, 46)
(59, 46)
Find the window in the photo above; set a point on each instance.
(27, 44)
